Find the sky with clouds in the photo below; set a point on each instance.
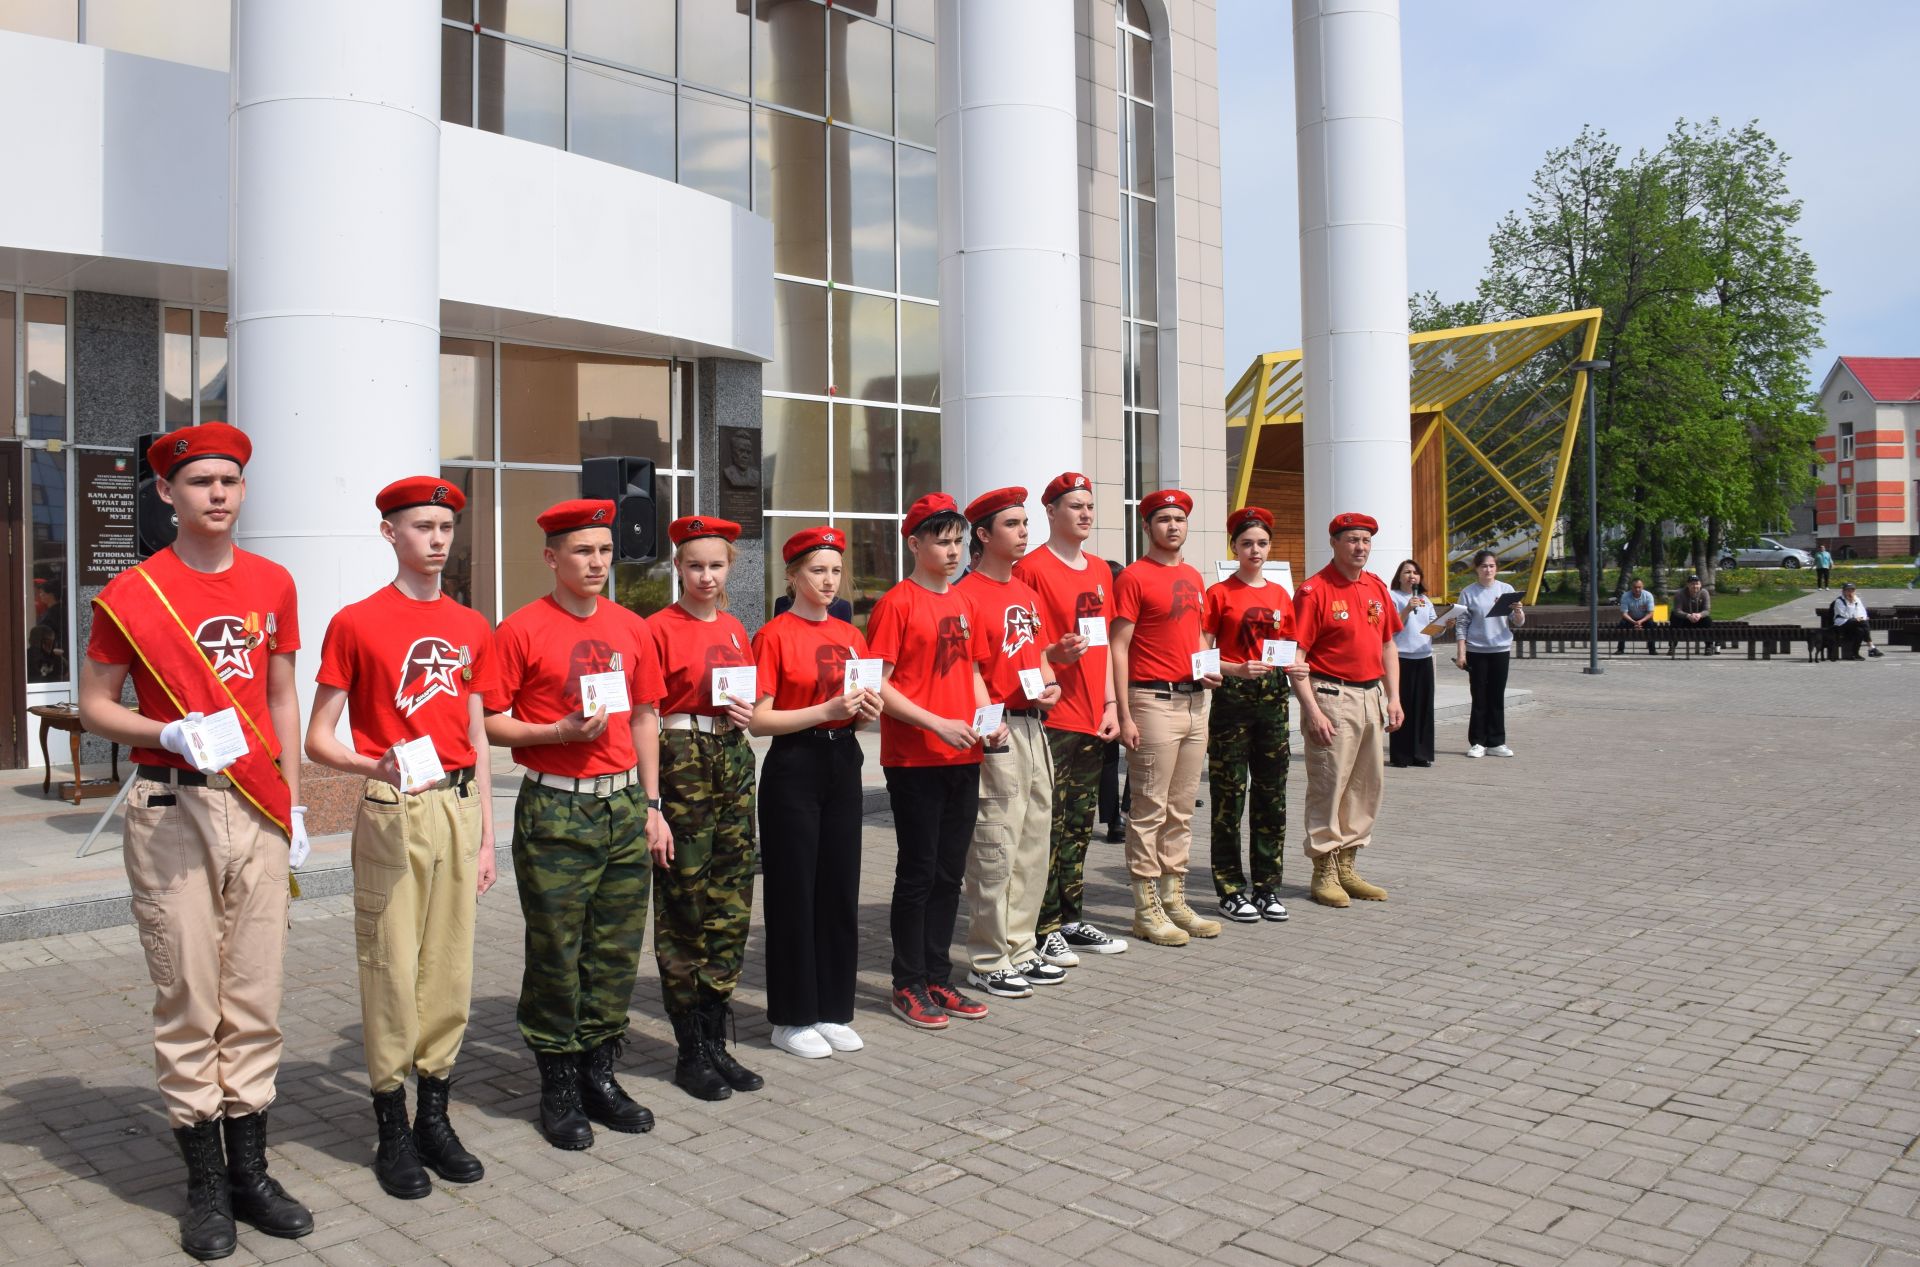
(1492, 85)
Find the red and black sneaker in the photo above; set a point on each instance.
(955, 1003)
(912, 1004)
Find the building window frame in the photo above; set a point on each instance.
(1844, 447)
(1844, 504)
(1163, 324)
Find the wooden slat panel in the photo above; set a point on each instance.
(1279, 485)
(1429, 523)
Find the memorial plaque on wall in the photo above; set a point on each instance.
(740, 478)
(103, 514)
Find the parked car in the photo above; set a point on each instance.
(1765, 552)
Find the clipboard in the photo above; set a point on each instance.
(1504, 605)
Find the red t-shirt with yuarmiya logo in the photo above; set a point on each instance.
(690, 649)
(1068, 596)
(228, 614)
(803, 662)
(1342, 625)
(544, 650)
(408, 668)
(1166, 603)
(1241, 617)
(932, 643)
(1008, 616)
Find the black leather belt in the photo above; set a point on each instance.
(1026, 712)
(183, 778)
(1358, 686)
(1171, 688)
(826, 734)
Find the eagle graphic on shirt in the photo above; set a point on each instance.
(228, 646)
(426, 670)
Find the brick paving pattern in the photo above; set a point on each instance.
(1646, 994)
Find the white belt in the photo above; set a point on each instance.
(708, 723)
(600, 785)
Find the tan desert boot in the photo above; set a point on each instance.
(1151, 922)
(1173, 900)
(1350, 879)
(1326, 888)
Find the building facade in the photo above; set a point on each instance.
(502, 236)
(1868, 503)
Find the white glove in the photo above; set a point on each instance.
(173, 737)
(297, 846)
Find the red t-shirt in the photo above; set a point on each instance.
(690, 649)
(932, 645)
(801, 661)
(1241, 617)
(1067, 596)
(408, 669)
(1007, 613)
(227, 613)
(543, 651)
(1165, 603)
(1341, 625)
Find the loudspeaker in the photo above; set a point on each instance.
(154, 526)
(628, 484)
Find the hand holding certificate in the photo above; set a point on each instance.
(1094, 630)
(418, 763)
(863, 675)
(213, 742)
(987, 718)
(1278, 652)
(1032, 683)
(1206, 663)
(604, 692)
(736, 683)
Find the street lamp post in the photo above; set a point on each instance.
(1593, 517)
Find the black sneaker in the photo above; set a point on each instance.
(1236, 907)
(1087, 938)
(1040, 972)
(1054, 949)
(1006, 983)
(1269, 907)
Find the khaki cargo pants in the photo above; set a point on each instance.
(1006, 878)
(1164, 772)
(1343, 777)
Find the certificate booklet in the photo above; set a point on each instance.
(419, 763)
(1094, 630)
(863, 675)
(606, 691)
(1032, 682)
(1278, 651)
(986, 719)
(216, 740)
(740, 682)
(1206, 663)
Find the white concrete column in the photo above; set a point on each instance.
(1353, 272)
(1009, 247)
(334, 271)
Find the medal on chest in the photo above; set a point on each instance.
(251, 624)
(466, 665)
(273, 631)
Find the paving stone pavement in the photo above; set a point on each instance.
(1645, 994)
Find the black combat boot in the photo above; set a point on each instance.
(561, 1120)
(603, 1098)
(433, 1136)
(397, 1162)
(206, 1228)
(258, 1197)
(715, 1016)
(693, 1072)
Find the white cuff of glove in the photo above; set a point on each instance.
(173, 735)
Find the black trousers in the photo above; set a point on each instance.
(1487, 679)
(810, 876)
(1414, 740)
(933, 812)
(1821, 576)
(1851, 635)
(1110, 806)
(1628, 631)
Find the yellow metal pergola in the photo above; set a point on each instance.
(1501, 412)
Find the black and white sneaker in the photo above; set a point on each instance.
(1054, 949)
(1087, 939)
(1005, 983)
(1269, 907)
(1236, 907)
(1039, 972)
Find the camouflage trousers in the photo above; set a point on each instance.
(702, 900)
(1077, 760)
(1247, 749)
(581, 866)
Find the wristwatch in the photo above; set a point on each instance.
(653, 802)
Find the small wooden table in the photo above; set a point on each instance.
(66, 717)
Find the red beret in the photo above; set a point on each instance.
(1164, 498)
(993, 503)
(1248, 515)
(1062, 484)
(419, 490)
(926, 508)
(571, 516)
(1342, 523)
(208, 440)
(693, 527)
(812, 539)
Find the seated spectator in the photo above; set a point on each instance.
(1636, 613)
(1692, 608)
(1850, 623)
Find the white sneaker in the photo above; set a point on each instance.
(1477, 751)
(1500, 750)
(839, 1037)
(801, 1040)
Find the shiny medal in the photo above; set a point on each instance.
(273, 630)
(466, 665)
(252, 625)
(613, 663)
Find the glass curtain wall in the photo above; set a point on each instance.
(1139, 268)
(819, 118)
(36, 331)
(192, 31)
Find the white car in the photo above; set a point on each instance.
(1765, 552)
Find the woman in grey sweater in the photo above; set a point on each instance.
(1484, 651)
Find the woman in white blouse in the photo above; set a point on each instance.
(1484, 651)
(1412, 744)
